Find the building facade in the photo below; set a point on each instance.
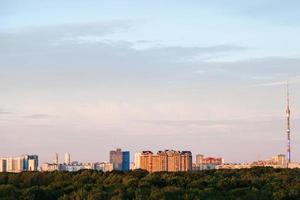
(206, 163)
(137, 160)
(104, 166)
(168, 160)
(120, 159)
(19, 163)
(56, 161)
(125, 161)
(115, 157)
(67, 160)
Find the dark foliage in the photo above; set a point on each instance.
(255, 183)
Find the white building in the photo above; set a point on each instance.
(67, 160)
(56, 159)
(72, 168)
(137, 160)
(19, 163)
(132, 166)
(104, 166)
(88, 166)
(49, 167)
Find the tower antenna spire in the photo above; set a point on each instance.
(288, 130)
(288, 93)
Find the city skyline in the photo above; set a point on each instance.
(169, 160)
(88, 77)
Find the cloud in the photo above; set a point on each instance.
(182, 53)
(260, 77)
(40, 39)
(38, 116)
(78, 29)
(66, 37)
(270, 84)
(292, 80)
(5, 112)
(206, 123)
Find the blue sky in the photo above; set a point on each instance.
(89, 76)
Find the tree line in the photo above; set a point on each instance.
(255, 183)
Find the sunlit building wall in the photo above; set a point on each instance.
(168, 160)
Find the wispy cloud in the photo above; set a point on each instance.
(293, 80)
(5, 112)
(38, 116)
(262, 77)
(207, 123)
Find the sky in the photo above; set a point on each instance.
(86, 77)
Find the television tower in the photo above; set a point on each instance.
(288, 130)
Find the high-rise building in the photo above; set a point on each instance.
(115, 157)
(125, 161)
(137, 160)
(15, 164)
(31, 162)
(19, 164)
(168, 160)
(199, 159)
(120, 159)
(186, 161)
(67, 160)
(3, 165)
(56, 159)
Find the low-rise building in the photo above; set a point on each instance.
(49, 167)
(206, 163)
(104, 166)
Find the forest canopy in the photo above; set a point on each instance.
(255, 183)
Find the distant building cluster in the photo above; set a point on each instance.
(167, 161)
(118, 160)
(205, 163)
(279, 161)
(19, 163)
(67, 165)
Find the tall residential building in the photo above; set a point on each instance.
(125, 161)
(31, 162)
(115, 157)
(199, 159)
(67, 160)
(168, 160)
(120, 159)
(3, 165)
(137, 160)
(19, 164)
(14, 164)
(56, 159)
